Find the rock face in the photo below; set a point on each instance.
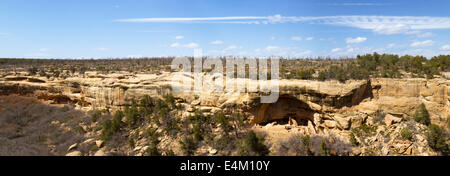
(299, 99)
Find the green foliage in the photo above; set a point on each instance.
(436, 139)
(95, 116)
(131, 114)
(322, 76)
(199, 125)
(42, 73)
(364, 130)
(324, 150)
(131, 142)
(406, 134)
(253, 144)
(32, 70)
(107, 130)
(306, 140)
(224, 123)
(110, 127)
(153, 136)
(353, 140)
(422, 116)
(188, 145)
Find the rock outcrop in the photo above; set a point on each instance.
(300, 99)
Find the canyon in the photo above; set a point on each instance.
(304, 106)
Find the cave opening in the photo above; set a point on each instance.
(284, 111)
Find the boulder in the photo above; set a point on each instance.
(330, 123)
(74, 153)
(99, 143)
(390, 119)
(73, 146)
(342, 122)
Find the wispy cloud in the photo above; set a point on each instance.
(217, 42)
(189, 45)
(102, 49)
(422, 43)
(296, 38)
(179, 37)
(355, 40)
(445, 48)
(380, 24)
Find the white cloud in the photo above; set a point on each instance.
(272, 48)
(335, 50)
(389, 29)
(231, 47)
(309, 38)
(426, 34)
(43, 49)
(445, 47)
(380, 24)
(217, 42)
(355, 40)
(272, 38)
(173, 45)
(191, 45)
(179, 37)
(391, 45)
(422, 43)
(101, 49)
(296, 38)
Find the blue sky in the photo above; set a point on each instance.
(138, 28)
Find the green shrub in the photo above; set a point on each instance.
(188, 145)
(436, 139)
(107, 130)
(253, 144)
(324, 150)
(131, 142)
(306, 140)
(224, 123)
(97, 114)
(131, 114)
(421, 115)
(406, 134)
(353, 140)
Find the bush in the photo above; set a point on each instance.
(436, 139)
(353, 140)
(110, 127)
(406, 134)
(131, 114)
(107, 130)
(97, 114)
(421, 115)
(324, 151)
(188, 145)
(224, 123)
(253, 144)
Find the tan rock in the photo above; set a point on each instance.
(390, 119)
(99, 143)
(73, 146)
(342, 122)
(330, 123)
(74, 153)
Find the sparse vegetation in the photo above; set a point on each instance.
(253, 145)
(406, 134)
(436, 139)
(422, 116)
